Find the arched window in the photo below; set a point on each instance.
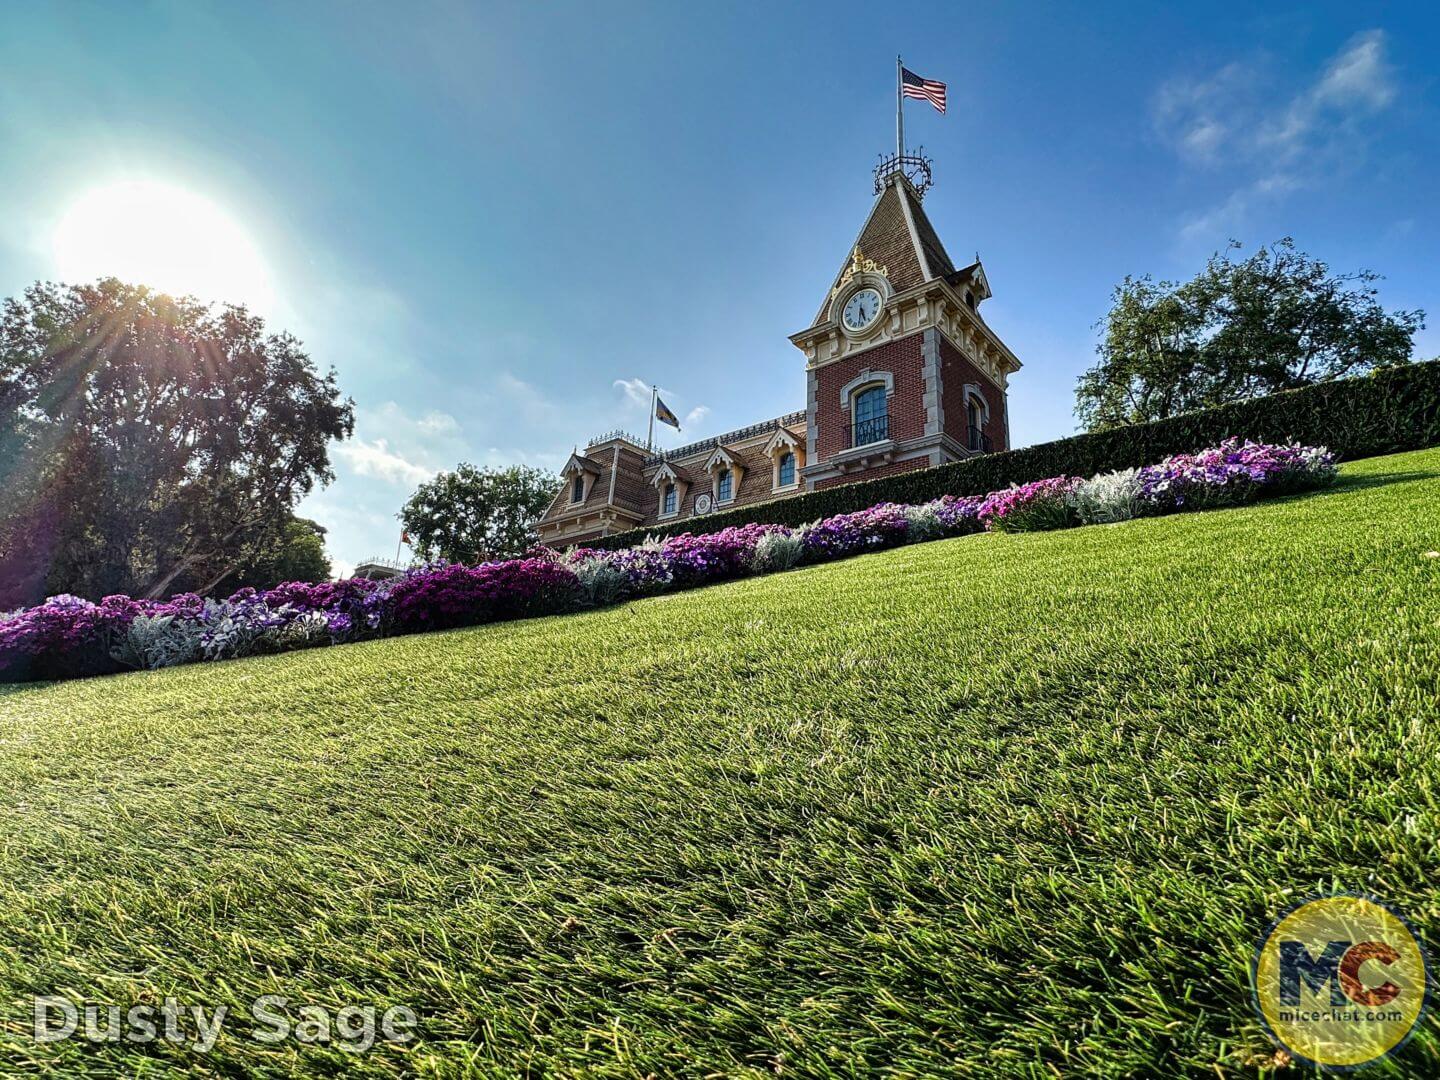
(787, 469)
(577, 488)
(672, 500)
(870, 416)
(975, 412)
(725, 486)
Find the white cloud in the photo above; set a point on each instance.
(1272, 143)
(1229, 217)
(1359, 74)
(377, 460)
(696, 415)
(637, 391)
(1198, 116)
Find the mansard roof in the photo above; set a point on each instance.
(898, 236)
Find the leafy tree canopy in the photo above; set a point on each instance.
(298, 554)
(473, 515)
(150, 444)
(1240, 329)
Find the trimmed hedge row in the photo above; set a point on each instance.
(1385, 412)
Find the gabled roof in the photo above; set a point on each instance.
(579, 462)
(669, 473)
(974, 274)
(723, 456)
(899, 236)
(782, 437)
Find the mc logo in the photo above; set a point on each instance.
(1339, 968)
(1340, 981)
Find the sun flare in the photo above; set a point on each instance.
(157, 234)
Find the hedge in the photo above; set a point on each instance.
(1385, 412)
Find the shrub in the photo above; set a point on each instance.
(1109, 497)
(157, 641)
(454, 595)
(776, 551)
(878, 527)
(67, 636)
(1032, 507)
(602, 581)
(1381, 413)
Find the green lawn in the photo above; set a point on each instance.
(1007, 804)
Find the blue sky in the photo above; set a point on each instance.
(490, 217)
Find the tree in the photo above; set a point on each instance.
(474, 515)
(1240, 329)
(297, 555)
(151, 444)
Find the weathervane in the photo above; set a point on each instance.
(915, 167)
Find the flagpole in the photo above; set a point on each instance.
(650, 434)
(899, 111)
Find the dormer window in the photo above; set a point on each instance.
(671, 483)
(726, 469)
(577, 488)
(970, 299)
(786, 452)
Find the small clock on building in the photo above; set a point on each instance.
(862, 309)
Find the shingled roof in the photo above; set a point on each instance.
(898, 235)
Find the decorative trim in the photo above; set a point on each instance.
(914, 236)
(812, 408)
(866, 377)
(781, 438)
(931, 381)
(722, 458)
(860, 265)
(972, 390)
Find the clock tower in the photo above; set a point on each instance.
(902, 370)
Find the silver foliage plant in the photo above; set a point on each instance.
(601, 580)
(779, 550)
(1109, 497)
(923, 524)
(159, 641)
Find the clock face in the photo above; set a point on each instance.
(862, 309)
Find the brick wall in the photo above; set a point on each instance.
(907, 406)
(955, 372)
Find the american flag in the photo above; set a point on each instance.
(912, 85)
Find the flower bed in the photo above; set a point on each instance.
(67, 637)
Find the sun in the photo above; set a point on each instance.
(151, 233)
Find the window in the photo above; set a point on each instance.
(577, 488)
(725, 486)
(970, 299)
(977, 440)
(787, 469)
(672, 500)
(871, 416)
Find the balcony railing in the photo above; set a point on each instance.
(870, 431)
(979, 441)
